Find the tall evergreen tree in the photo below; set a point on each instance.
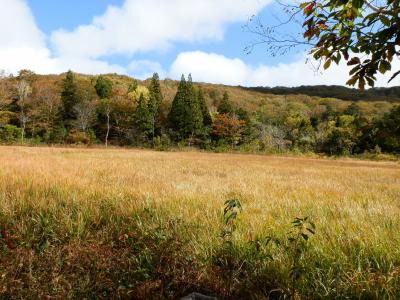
(194, 114)
(207, 121)
(69, 98)
(186, 117)
(225, 107)
(155, 99)
(142, 116)
(175, 116)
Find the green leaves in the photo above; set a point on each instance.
(370, 81)
(384, 66)
(303, 228)
(232, 207)
(186, 116)
(337, 26)
(358, 3)
(385, 21)
(103, 87)
(231, 210)
(353, 61)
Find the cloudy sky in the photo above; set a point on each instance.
(139, 37)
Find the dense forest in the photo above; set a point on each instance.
(119, 110)
(391, 94)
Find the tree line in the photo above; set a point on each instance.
(391, 94)
(99, 110)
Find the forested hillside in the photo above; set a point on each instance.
(118, 110)
(391, 94)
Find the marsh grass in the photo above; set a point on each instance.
(91, 223)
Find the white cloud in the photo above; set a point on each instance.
(23, 45)
(144, 69)
(138, 25)
(17, 25)
(210, 67)
(142, 25)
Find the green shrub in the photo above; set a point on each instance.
(10, 133)
(162, 143)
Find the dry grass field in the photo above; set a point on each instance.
(138, 224)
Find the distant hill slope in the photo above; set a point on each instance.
(391, 94)
(275, 100)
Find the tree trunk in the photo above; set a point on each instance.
(23, 126)
(108, 129)
(23, 132)
(153, 129)
(190, 139)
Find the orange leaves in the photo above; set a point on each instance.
(308, 8)
(228, 127)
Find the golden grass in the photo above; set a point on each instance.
(359, 197)
(354, 203)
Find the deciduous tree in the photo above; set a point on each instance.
(229, 128)
(364, 33)
(23, 91)
(106, 108)
(85, 115)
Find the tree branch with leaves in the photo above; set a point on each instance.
(365, 34)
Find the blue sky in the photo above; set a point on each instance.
(138, 37)
(52, 15)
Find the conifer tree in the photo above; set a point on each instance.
(207, 121)
(142, 116)
(194, 114)
(175, 116)
(69, 97)
(186, 117)
(155, 99)
(225, 107)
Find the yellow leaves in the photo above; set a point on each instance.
(327, 64)
(139, 90)
(352, 81)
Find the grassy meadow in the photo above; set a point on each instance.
(137, 224)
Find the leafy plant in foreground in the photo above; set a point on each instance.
(302, 229)
(252, 260)
(231, 210)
